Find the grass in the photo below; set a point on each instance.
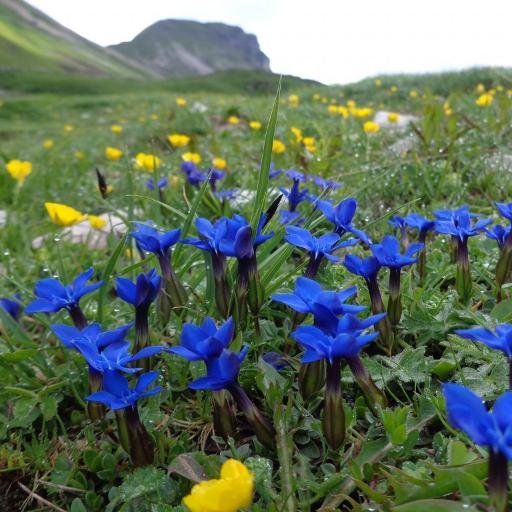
(403, 458)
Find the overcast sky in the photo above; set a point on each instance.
(334, 41)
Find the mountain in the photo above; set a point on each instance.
(30, 40)
(177, 48)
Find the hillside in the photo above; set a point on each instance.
(178, 48)
(30, 40)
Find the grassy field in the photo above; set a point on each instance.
(404, 456)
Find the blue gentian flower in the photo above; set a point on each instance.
(296, 175)
(341, 216)
(288, 217)
(12, 307)
(222, 372)
(324, 305)
(161, 183)
(448, 215)
(205, 342)
(388, 253)
(92, 335)
(227, 194)
(151, 239)
(364, 267)
(346, 342)
(214, 176)
(505, 210)
(276, 360)
(294, 195)
(117, 393)
(194, 176)
(498, 233)
(273, 172)
(460, 225)
(141, 293)
(211, 235)
(52, 295)
(326, 184)
(397, 222)
(500, 340)
(417, 221)
(467, 412)
(188, 167)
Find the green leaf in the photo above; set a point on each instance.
(458, 453)
(185, 465)
(434, 506)
(48, 407)
(19, 355)
(262, 186)
(92, 460)
(502, 311)
(77, 505)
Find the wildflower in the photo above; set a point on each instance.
(52, 296)
(278, 147)
(234, 120)
(341, 216)
(68, 128)
(378, 82)
(325, 183)
(96, 222)
(274, 173)
(48, 144)
(118, 395)
(148, 238)
(459, 224)
(413, 93)
(423, 225)
(318, 248)
(297, 132)
(214, 176)
(116, 128)
(332, 109)
(255, 125)
(309, 144)
(342, 111)
(178, 140)
(194, 176)
(500, 340)
(181, 102)
(219, 163)
(63, 215)
(161, 183)
(19, 170)
(316, 97)
(491, 429)
(371, 127)
(228, 194)
(393, 89)
(484, 100)
(147, 162)
(393, 117)
(293, 100)
(294, 195)
(79, 155)
(12, 307)
(230, 493)
(399, 222)
(388, 255)
(480, 88)
(191, 157)
(498, 233)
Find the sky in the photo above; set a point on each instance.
(333, 41)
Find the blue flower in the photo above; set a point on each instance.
(460, 224)
(188, 167)
(324, 305)
(276, 360)
(205, 342)
(117, 393)
(211, 235)
(319, 247)
(161, 183)
(273, 172)
(296, 175)
(467, 412)
(388, 253)
(12, 307)
(498, 233)
(505, 210)
(448, 215)
(341, 216)
(194, 176)
(52, 295)
(72, 337)
(153, 240)
(288, 217)
(325, 183)
(141, 293)
(417, 221)
(501, 340)
(397, 222)
(228, 194)
(367, 267)
(347, 341)
(214, 176)
(222, 372)
(294, 195)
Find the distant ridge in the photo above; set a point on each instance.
(178, 48)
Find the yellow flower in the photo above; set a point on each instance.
(393, 89)
(178, 140)
(113, 153)
(255, 125)
(230, 493)
(68, 128)
(480, 88)
(19, 170)
(233, 120)
(297, 132)
(342, 111)
(316, 97)
(147, 161)
(361, 113)
(351, 104)
(371, 127)
(393, 117)
(181, 102)
(413, 93)
(79, 155)
(154, 117)
(500, 88)
(116, 128)
(96, 222)
(219, 163)
(484, 100)
(378, 83)
(333, 109)
(448, 111)
(191, 157)
(293, 99)
(309, 144)
(63, 215)
(278, 147)
(324, 99)
(509, 93)
(48, 144)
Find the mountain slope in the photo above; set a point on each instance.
(31, 40)
(178, 48)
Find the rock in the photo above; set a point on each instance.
(3, 217)
(381, 117)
